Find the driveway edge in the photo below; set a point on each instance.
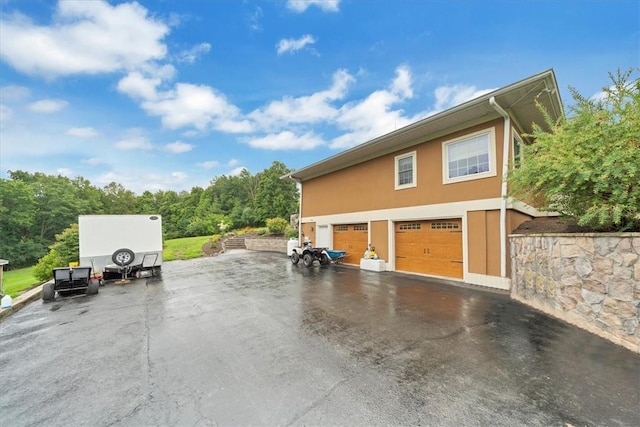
(21, 300)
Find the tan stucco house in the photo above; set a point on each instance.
(430, 197)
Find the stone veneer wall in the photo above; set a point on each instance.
(268, 245)
(589, 280)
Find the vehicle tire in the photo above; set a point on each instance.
(295, 258)
(324, 260)
(308, 259)
(123, 257)
(48, 292)
(94, 287)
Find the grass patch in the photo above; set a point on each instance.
(17, 281)
(184, 248)
(14, 282)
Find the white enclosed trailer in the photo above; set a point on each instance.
(121, 244)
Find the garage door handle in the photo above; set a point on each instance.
(400, 256)
(458, 262)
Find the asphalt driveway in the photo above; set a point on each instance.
(248, 339)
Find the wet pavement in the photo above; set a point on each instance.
(248, 339)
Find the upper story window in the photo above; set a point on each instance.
(469, 157)
(406, 171)
(517, 150)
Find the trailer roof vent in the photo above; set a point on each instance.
(153, 218)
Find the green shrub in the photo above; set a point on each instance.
(61, 253)
(587, 167)
(291, 232)
(277, 225)
(43, 270)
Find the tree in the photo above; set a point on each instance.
(587, 166)
(276, 197)
(61, 253)
(117, 200)
(17, 219)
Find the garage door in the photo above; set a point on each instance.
(430, 247)
(353, 238)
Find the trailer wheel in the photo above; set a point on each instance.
(308, 259)
(48, 292)
(94, 286)
(324, 260)
(123, 257)
(295, 258)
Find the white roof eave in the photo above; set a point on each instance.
(474, 111)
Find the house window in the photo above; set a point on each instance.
(517, 150)
(406, 171)
(469, 157)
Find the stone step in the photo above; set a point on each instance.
(234, 243)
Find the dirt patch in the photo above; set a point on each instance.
(550, 225)
(211, 250)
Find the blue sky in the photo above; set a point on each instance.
(169, 94)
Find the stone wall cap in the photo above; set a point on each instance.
(610, 234)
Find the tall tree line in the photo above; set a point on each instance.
(35, 207)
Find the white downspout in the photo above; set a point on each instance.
(298, 181)
(503, 193)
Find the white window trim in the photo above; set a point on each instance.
(516, 136)
(413, 155)
(492, 157)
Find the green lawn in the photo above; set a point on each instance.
(16, 281)
(185, 248)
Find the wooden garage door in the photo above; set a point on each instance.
(430, 247)
(353, 238)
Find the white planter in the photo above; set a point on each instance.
(373, 264)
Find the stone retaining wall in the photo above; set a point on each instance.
(589, 280)
(268, 245)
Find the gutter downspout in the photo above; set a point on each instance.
(299, 182)
(503, 192)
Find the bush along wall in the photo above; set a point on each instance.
(591, 280)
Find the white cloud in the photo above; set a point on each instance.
(402, 83)
(373, 116)
(286, 140)
(134, 140)
(233, 162)
(13, 93)
(237, 171)
(48, 106)
(94, 161)
(325, 5)
(305, 109)
(255, 18)
(190, 55)
(450, 96)
(210, 164)
(178, 147)
(294, 45)
(137, 86)
(84, 37)
(199, 106)
(179, 176)
(65, 172)
(87, 132)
